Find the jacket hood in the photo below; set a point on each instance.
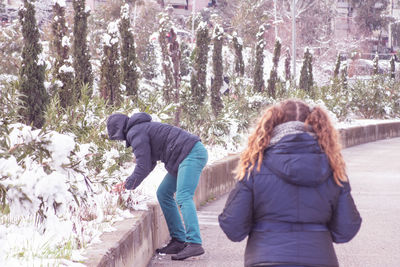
(299, 160)
(116, 126)
(138, 118)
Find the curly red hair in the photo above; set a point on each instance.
(293, 110)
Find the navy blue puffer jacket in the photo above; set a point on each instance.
(150, 142)
(292, 210)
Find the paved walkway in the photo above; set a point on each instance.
(374, 171)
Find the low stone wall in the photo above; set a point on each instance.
(357, 135)
(135, 240)
(216, 180)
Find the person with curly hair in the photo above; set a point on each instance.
(293, 198)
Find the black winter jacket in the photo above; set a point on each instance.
(150, 142)
(292, 210)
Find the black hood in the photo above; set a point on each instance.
(119, 124)
(138, 118)
(298, 159)
(116, 126)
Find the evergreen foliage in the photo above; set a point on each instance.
(129, 71)
(288, 59)
(110, 71)
(216, 102)
(175, 54)
(310, 74)
(81, 56)
(199, 73)
(11, 44)
(392, 68)
(344, 76)
(238, 46)
(303, 83)
(185, 59)
(259, 65)
(167, 65)
(337, 66)
(148, 65)
(306, 77)
(375, 63)
(273, 77)
(32, 71)
(10, 104)
(62, 70)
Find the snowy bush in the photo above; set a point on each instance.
(376, 98)
(11, 44)
(60, 177)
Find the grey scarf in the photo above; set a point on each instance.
(290, 127)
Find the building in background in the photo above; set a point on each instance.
(344, 26)
(186, 7)
(385, 42)
(394, 36)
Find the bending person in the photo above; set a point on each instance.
(184, 157)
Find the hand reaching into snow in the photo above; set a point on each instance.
(118, 188)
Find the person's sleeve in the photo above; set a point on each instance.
(144, 165)
(236, 218)
(346, 220)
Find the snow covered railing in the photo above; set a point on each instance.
(135, 240)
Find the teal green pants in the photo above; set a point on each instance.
(184, 185)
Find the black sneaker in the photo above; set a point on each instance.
(173, 247)
(190, 250)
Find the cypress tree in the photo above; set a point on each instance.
(310, 77)
(344, 76)
(32, 71)
(287, 65)
(199, 74)
(273, 77)
(304, 72)
(337, 66)
(238, 46)
(375, 63)
(62, 70)
(129, 71)
(81, 56)
(259, 68)
(110, 74)
(185, 59)
(163, 38)
(216, 102)
(175, 54)
(149, 62)
(392, 68)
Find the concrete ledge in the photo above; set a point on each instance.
(135, 240)
(132, 244)
(216, 180)
(358, 135)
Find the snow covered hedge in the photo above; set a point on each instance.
(55, 182)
